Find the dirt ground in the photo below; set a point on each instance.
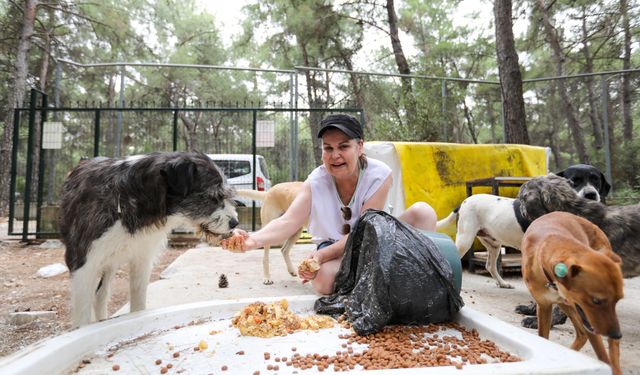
(22, 290)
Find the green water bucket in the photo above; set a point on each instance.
(449, 250)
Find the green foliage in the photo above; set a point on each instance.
(323, 34)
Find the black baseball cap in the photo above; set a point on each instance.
(349, 125)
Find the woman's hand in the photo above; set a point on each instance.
(239, 242)
(307, 275)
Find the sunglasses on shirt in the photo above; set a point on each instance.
(346, 215)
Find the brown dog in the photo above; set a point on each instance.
(567, 260)
(275, 202)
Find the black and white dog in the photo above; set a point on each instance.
(588, 181)
(119, 211)
(497, 221)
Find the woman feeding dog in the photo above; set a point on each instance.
(332, 199)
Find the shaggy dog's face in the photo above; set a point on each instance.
(198, 191)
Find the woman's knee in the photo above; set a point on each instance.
(322, 287)
(421, 215)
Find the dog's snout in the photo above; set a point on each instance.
(591, 195)
(615, 334)
(233, 223)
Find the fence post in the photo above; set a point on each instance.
(121, 105)
(175, 130)
(28, 177)
(254, 150)
(443, 109)
(41, 156)
(295, 132)
(292, 139)
(605, 124)
(96, 134)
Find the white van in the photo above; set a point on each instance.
(238, 168)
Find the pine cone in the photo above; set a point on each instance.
(222, 281)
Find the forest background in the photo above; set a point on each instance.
(496, 90)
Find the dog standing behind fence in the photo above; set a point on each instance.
(119, 211)
(274, 203)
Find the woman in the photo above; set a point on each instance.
(332, 198)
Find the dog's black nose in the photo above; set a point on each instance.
(233, 223)
(592, 196)
(615, 334)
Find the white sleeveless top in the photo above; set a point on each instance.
(325, 222)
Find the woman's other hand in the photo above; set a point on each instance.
(308, 275)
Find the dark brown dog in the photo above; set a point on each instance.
(567, 260)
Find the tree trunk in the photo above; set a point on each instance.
(626, 80)
(403, 65)
(510, 76)
(594, 116)
(15, 96)
(558, 56)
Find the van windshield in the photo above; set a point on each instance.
(234, 168)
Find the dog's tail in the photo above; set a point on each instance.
(449, 220)
(252, 194)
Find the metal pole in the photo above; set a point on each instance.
(292, 139)
(119, 124)
(445, 127)
(28, 177)
(175, 130)
(605, 123)
(295, 160)
(96, 134)
(254, 150)
(41, 157)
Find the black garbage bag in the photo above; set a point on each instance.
(391, 274)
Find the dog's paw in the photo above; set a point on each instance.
(529, 309)
(267, 282)
(505, 286)
(530, 322)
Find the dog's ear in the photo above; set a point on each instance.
(179, 175)
(574, 270)
(605, 187)
(561, 173)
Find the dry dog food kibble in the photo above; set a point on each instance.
(115, 367)
(404, 347)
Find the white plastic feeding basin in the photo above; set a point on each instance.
(145, 337)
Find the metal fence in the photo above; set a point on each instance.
(280, 135)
